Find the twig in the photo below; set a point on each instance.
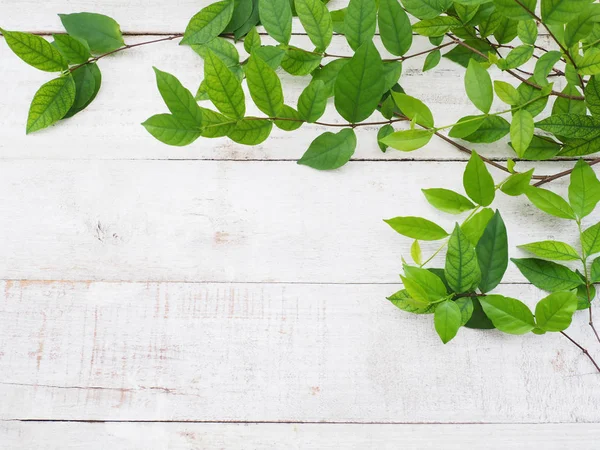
(585, 352)
(550, 178)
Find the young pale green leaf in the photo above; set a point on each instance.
(298, 62)
(558, 12)
(316, 20)
(572, 126)
(264, 86)
(476, 225)
(527, 31)
(462, 269)
(478, 84)
(88, 80)
(223, 87)
(405, 302)
(168, 129)
(417, 228)
(35, 51)
(432, 60)
(360, 84)
(492, 254)
(416, 292)
(313, 101)
(592, 96)
(509, 315)
(208, 23)
(51, 103)
(466, 126)
(360, 22)
(415, 252)
(330, 150)
(437, 26)
(491, 129)
(394, 27)
(553, 250)
(478, 183)
(447, 320)
(251, 131)
(584, 189)
(252, 41)
(517, 10)
(555, 312)
(75, 50)
(414, 109)
(547, 275)
(506, 92)
(517, 184)
(521, 131)
(383, 132)
(590, 239)
(432, 285)
(448, 201)
(589, 64)
(276, 17)
(102, 33)
(291, 119)
(516, 57)
(550, 203)
(328, 74)
(178, 99)
(426, 9)
(408, 140)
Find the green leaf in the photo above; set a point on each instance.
(405, 302)
(223, 88)
(584, 189)
(491, 129)
(251, 131)
(417, 228)
(568, 105)
(313, 101)
(394, 27)
(554, 250)
(462, 270)
(542, 149)
(252, 41)
(478, 182)
(294, 122)
(506, 30)
(517, 183)
(208, 23)
(589, 64)
(168, 129)
(572, 126)
(595, 271)
(264, 85)
(392, 70)
(416, 292)
(338, 17)
(516, 57)
(416, 253)
(35, 51)
(521, 131)
(316, 20)
(527, 31)
(299, 62)
(581, 147)
(414, 109)
(476, 225)
(330, 150)
(178, 99)
(555, 312)
(478, 84)
(466, 126)
(276, 17)
(360, 83)
(550, 203)
(426, 9)
(432, 60)
(88, 80)
(466, 307)
(448, 201)
(360, 22)
(492, 254)
(221, 47)
(447, 320)
(547, 275)
(74, 50)
(408, 140)
(462, 55)
(51, 103)
(479, 320)
(437, 26)
(249, 24)
(590, 239)
(517, 10)
(102, 33)
(509, 315)
(214, 124)
(506, 92)
(561, 11)
(328, 74)
(592, 96)
(531, 99)
(432, 285)
(242, 11)
(271, 55)
(544, 66)
(384, 131)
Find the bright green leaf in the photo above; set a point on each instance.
(223, 88)
(170, 130)
(547, 275)
(509, 315)
(478, 182)
(360, 22)
(417, 228)
(462, 269)
(555, 312)
(584, 189)
(478, 84)
(316, 20)
(75, 50)
(51, 103)
(264, 86)
(447, 320)
(330, 150)
(394, 27)
(35, 51)
(521, 131)
(553, 250)
(313, 101)
(276, 17)
(448, 201)
(408, 140)
(550, 203)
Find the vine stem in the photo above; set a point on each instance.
(550, 178)
(584, 350)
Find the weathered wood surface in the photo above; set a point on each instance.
(192, 288)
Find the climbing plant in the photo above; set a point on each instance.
(551, 110)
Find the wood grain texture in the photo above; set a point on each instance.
(128, 436)
(229, 221)
(110, 128)
(273, 352)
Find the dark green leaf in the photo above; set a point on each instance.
(360, 22)
(547, 275)
(384, 131)
(491, 129)
(88, 80)
(102, 33)
(492, 254)
(394, 27)
(330, 150)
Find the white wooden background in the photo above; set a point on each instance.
(222, 297)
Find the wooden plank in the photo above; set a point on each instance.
(161, 436)
(110, 128)
(229, 221)
(273, 352)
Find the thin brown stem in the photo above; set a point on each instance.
(400, 58)
(565, 173)
(585, 352)
(591, 323)
(333, 125)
